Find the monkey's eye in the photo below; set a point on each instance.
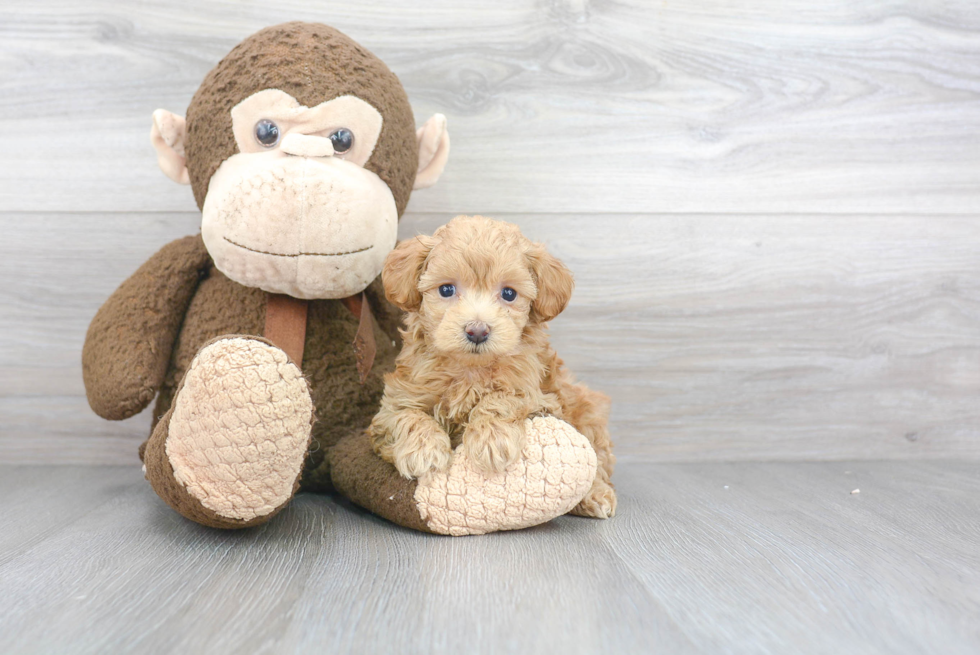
(343, 140)
(266, 133)
(447, 290)
(508, 294)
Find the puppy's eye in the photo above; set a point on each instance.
(447, 290)
(266, 133)
(508, 294)
(343, 140)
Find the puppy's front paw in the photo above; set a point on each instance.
(425, 452)
(599, 503)
(492, 446)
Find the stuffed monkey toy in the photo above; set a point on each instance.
(265, 338)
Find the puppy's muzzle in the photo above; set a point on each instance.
(477, 332)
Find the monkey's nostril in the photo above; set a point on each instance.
(477, 332)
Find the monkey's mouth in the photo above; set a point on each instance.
(298, 254)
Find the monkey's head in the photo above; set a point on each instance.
(302, 151)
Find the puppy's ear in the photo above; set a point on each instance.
(402, 270)
(555, 284)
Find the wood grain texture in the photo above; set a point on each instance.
(568, 105)
(718, 337)
(744, 327)
(779, 558)
(39, 502)
(735, 558)
(772, 211)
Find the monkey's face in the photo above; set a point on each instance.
(302, 151)
(295, 211)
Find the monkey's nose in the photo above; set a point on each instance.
(306, 145)
(477, 332)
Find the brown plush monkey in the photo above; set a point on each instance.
(265, 338)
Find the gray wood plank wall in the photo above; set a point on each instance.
(772, 209)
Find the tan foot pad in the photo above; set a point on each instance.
(556, 470)
(240, 428)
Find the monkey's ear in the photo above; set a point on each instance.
(167, 136)
(402, 270)
(433, 151)
(555, 284)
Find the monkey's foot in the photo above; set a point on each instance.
(555, 471)
(230, 451)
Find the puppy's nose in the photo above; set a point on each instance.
(477, 332)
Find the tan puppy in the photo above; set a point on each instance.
(476, 361)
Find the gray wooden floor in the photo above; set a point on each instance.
(709, 557)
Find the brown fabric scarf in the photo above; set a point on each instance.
(285, 326)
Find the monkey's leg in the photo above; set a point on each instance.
(556, 469)
(230, 451)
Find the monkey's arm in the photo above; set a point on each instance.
(129, 343)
